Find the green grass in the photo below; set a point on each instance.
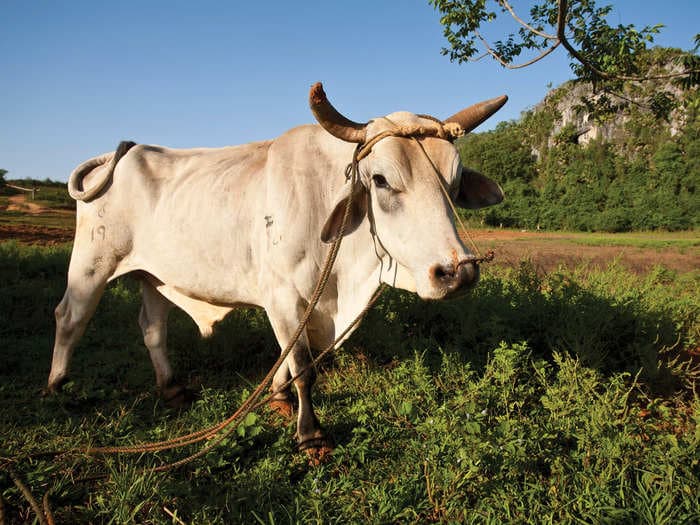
(563, 398)
(655, 240)
(682, 240)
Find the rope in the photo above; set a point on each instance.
(245, 409)
(447, 131)
(47, 508)
(43, 515)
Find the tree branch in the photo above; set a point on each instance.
(505, 4)
(626, 99)
(561, 35)
(508, 65)
(483, 55)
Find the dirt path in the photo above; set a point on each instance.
(548, 251)
(35, 223)
(20, 203)
(28, 234)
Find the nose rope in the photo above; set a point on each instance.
(488, 257)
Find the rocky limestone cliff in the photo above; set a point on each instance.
(577, 113)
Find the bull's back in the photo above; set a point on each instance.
(190, 216)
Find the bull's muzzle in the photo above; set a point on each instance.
(452, 278)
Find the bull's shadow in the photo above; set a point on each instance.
(555, 312)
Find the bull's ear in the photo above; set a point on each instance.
(477, 191)
(358, 211)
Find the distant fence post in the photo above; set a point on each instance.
(33, 189)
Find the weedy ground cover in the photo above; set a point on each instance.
(560, 398)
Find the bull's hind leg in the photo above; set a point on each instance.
(153, 320)
(87, 277)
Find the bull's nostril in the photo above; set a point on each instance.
(442, 272)
(451, 279)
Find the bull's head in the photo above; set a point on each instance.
(399, 189)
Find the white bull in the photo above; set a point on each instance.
(212, 229)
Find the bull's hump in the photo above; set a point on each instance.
(161, 162)
(188, 153)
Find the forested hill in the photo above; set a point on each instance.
(589, 160)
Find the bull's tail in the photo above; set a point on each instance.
(108, 161)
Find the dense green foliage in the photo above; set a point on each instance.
(556, 398)
(643, 179)
(29, 182)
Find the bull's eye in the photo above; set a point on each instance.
(380, 181)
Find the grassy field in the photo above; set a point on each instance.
(656, 240)
(563, 397)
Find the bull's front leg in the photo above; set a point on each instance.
(282, 401)
(310, 436)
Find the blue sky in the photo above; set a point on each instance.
(79, 76)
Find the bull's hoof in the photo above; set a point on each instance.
(318, 450)
(54, 387)
(283, 407)
(47, 391)
(178, 396)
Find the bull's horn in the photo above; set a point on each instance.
(332, 121)
(472, 116)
